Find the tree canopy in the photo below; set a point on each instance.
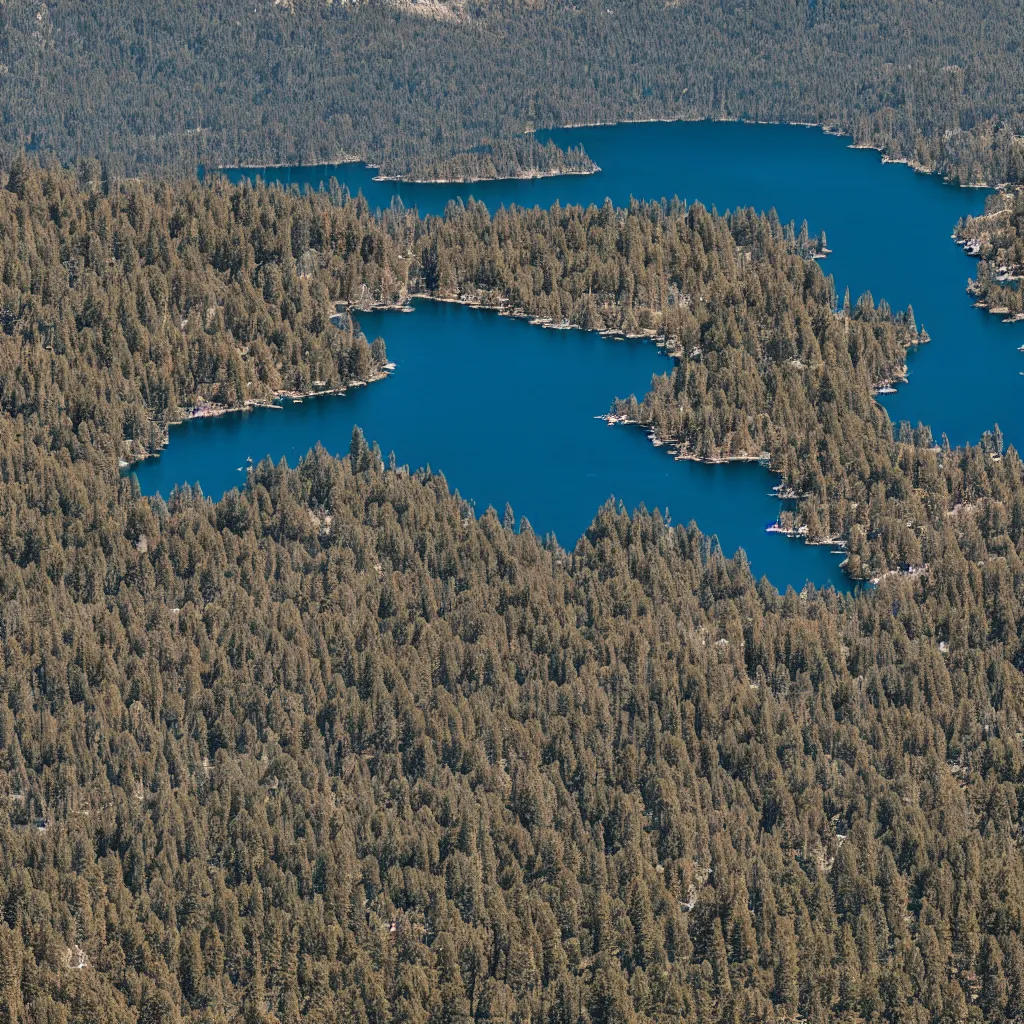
(334, 748)
(175, 85)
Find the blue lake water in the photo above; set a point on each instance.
(529, 436)
(534, 441)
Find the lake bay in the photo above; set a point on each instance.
(528, 435)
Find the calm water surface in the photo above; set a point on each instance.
(508, 412)
(528, 435)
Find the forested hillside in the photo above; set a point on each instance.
(331, 748)
(178, 84)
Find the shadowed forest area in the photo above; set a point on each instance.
(418, 89)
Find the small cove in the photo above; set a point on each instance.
(507, 410)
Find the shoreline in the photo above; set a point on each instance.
(1003, 311)
(212, 410)
(530, 175)
(683, 452)
(340, 162)
(502, 308)
(972, 247)
(839, 544)
(828, 129)
(533, 174)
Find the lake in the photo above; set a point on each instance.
(534, 442)
(889, 229)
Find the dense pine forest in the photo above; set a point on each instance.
(333, 748)
(190, 297)
(160, 301)
(418, 88)
(997, 239)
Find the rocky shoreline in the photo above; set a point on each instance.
(210, 410)
(527, 174)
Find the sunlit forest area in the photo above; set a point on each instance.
(333, 748)
(997, 239)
